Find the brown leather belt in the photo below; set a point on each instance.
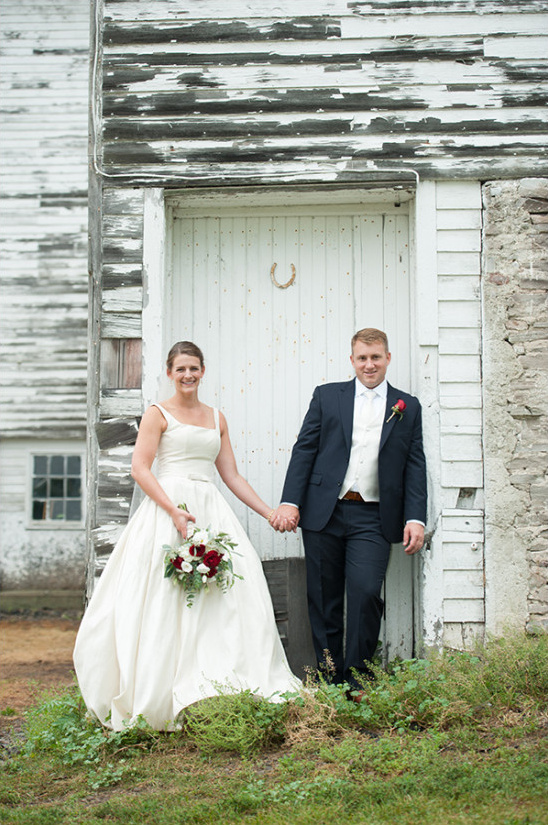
(352, 496)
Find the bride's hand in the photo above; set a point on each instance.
(180, 519)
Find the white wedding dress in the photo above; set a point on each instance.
(140, 649)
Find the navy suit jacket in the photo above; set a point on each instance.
(319, 460)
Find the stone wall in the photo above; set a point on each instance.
(515, 363)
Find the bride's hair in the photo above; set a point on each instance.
(184, 348)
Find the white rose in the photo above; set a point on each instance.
(186, 567)
(204, 579)
(200, 537)
(202, 568)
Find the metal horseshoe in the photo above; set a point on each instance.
(275, 282)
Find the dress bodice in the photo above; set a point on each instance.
(186, 450)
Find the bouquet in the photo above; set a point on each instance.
(203, 559)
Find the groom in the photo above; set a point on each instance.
(356, 483)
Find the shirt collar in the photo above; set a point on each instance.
(381, 390)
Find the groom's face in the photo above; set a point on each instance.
(370, 362)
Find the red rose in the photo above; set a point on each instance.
(197, 550)
(212, 572)
(397, 409)
(212, 558)
(177, 562)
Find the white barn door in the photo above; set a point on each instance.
(267, 345)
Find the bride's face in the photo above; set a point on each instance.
(186, 373)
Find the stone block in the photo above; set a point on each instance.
(533, 188)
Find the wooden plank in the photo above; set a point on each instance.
(121, 275)
(460, 341)
(287, 124)
(120, 403)
(463, 419)
(229, 30)
(463, 584)
(459, 263)
(461, 556)
(461, 474)
(459, 195)
(457, 395)
(121, 324)
(380, 48)
(429, 25)
(456, 219)
(463, 635)
(459, 287)
(459, 240)
(463, 610)
(115, 432)
(121, 10)
(460, 368)
(463, 518)
(181, 102)
(145, 77)
(459, 314)
(461, 447)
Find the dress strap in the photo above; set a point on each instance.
(216, 418)
(167, 415)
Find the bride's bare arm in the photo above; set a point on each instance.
(152, 426)
(226, 465)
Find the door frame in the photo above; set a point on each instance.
(158, 272)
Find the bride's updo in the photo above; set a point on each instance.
(184, 348)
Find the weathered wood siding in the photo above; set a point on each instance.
(44, 78)
(449, 384)
(43, 217)
(212, 93)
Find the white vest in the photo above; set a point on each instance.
(362, 474)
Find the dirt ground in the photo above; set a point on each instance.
(35, 653)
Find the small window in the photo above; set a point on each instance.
(57, 488)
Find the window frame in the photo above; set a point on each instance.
(54, 524)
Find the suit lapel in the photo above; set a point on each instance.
(387, 427)
(346, 403)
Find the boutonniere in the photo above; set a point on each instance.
(398, 409)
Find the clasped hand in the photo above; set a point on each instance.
(285, 518)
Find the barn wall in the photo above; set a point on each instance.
(210, 94)
(43, 247)
(43, 218)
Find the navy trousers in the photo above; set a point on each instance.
(349, 555)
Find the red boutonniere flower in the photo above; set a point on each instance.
(397, 409)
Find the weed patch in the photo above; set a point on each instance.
(242, 723)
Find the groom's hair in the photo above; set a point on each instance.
(370, 335)
(184, 348)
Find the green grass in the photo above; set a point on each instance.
(457, 738)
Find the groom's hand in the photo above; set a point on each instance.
(413, 537)
(285, 517)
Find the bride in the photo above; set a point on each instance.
(140, 650)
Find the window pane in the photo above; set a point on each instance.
(58, 510)
(39, 510)
(57, 465)
(56, 488)
(40, 465)
(39, 488)
(73, 487)
(74, 510)
(73, 465)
